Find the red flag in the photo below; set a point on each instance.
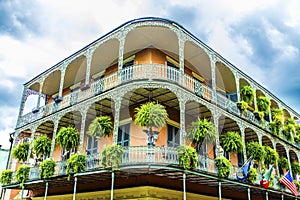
(287, 180)
(266, 178)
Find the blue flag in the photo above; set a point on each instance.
(245, 170)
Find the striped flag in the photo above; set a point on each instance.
(287, 180)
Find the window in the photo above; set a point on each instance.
(123, 135)
(240, 159)
(91, 145)
(173, 136)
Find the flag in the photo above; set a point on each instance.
(245, 170)
(266, 178)
(287, 180)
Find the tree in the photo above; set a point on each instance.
(101, 126)
(201, 130)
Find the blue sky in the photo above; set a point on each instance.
(262, 38)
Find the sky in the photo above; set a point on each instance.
(261, 38)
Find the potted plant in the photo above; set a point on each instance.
(201, 130)
(101, 127)
(259, 115)
(76, 164)
(187, 157)
(151, 115)
(271, 156)
(22, 174)
(68, 138)
(231, 142)
(223, 165)
(247, 94)
(263, 104)
(252, 175)
(256, 151)
(47, 168)
(111, 156)
(295, 168)
(20, 152)
(242, 105)
(277, 121)
(42, 146)
(283, 164)
(6, 177)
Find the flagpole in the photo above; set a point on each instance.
(220, 194)
(267, 195)
(249, 196)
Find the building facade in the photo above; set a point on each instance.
(147, 59)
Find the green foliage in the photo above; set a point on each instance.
(67, 137)
(297, 184)
(6, 177)
(283, 163)
(295, 168)
(242, 105)
(223, 165)
(42, 145)
(252, 175)
(263, 104)
(20, 152)
(259, 114)
(289, 129)
(111, 156)
(271, 155)
(256, 151)
(247, 94)
(297, 134)
(277, 116)
(187, 156)
(200, 130)
(76, 164)
(22, 174)
(150, 115)
(101, 126)
(275, 128)
(231, 142)
(47, 168)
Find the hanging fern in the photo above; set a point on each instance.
(111, 156)
(47, 168)
(295, 168)
(6, 177)
(188, 157)
(68, 137)
(201, 130)
(22, 174)
(275, 128)
(263, 104)
(242, 105)
(76, 164)
(271, 156)
(101, 126)
(150, 115)
(277, 116)
(231, 142)
(247, 94)
(283, 163)
(20, 152)
(256, 151)
(223, 165)
(42, 145)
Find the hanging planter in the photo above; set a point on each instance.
(283, 163)
(67, 137)
(151, 115)
(295, 168)
(247, 94)
(42, 146)
(259, 115)
(223, 165)
(101, 127)
(201, 130)
(263, 104)
(271, 156)
(111, 156)
(76, 164)
(256, 151)
(47, 168)
(231, 142)
(22, 174)
(20, 152)
(6, 177)
(187, 156)
(242, 105)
